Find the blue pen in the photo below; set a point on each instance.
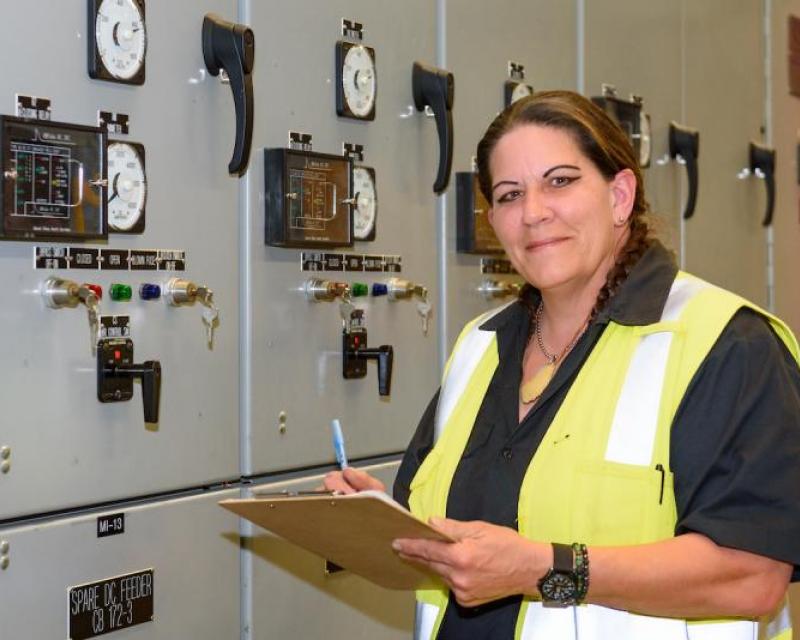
(338, 443)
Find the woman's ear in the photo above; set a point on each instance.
(623, 192)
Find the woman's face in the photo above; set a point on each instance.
(554, 212)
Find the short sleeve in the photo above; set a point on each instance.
(419, 447)
(735, 444)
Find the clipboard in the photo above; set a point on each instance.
(354, 531)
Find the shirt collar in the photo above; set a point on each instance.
(639, 301)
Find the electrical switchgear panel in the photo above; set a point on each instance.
(308, 199)
(54, 180)
(474, 233)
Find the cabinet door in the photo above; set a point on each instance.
(188, 546)
(66, 448)
(541, 36)
(292, 349)
(651, 29)
(724, 98)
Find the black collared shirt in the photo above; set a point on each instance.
(734, 447)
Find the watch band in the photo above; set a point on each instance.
(563, 557)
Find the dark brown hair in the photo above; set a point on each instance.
(602, 141)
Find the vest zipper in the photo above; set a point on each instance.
(660, 468)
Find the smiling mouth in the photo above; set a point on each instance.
(543, 244)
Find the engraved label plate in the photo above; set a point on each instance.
(97, 608)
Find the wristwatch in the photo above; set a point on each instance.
(560, 586)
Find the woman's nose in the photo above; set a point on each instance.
(534, 208)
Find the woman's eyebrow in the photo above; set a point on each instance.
(502, 182)
(560, 166)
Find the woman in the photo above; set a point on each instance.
(624, 437)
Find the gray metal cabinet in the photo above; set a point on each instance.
(293, 597)
(292, 379)
(66, 448)
(785, 124)
(636, 46)
(191, 544)
(480, 41)
(724, 99)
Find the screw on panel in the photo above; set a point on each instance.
(4, 562)
(5, 467)
(282, 422)
(5, 453)
(4, 546)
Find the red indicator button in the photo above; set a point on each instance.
(96, 289)
(117, 355)
(356, 340)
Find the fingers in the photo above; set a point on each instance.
(428, 551)
(334, 481)
(351, 481)
(361, 480)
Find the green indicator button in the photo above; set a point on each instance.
(359, 289)
(120, 292)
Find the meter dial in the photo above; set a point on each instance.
(127, 187)
(366, 203)
(515, 90)
(645, 148)
(356, 81)
(118, 40)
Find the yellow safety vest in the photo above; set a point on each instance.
(604, 459)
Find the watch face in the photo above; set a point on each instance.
(558, 587)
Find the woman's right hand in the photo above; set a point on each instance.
(352, 480)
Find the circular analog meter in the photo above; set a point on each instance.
(516, 90)
(127, 187)
(357, 81)
(120, 41)
(522, 90)
(366, 203)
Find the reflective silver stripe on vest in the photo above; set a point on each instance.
(425, 620)
(470, 351)
(633, 430)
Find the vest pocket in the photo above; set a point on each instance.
(617, 504)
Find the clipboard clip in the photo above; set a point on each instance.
(295, 494)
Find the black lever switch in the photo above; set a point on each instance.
(762, 164)
(231, 46)
(116, 372)
(685, 142)
(434, 88)
(385, 357)
(355, 354)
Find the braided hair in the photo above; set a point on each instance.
(604, 143)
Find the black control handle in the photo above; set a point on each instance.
(232, 47)
(434, 88)
(385, 357)
(762, 163)
(149, 372)
(685, 141)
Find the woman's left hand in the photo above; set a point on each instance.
(486, 562)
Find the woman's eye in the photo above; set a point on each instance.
(562, 181)
(508, 196)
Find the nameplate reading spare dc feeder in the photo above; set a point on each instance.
(97, 608)
(353, 531)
